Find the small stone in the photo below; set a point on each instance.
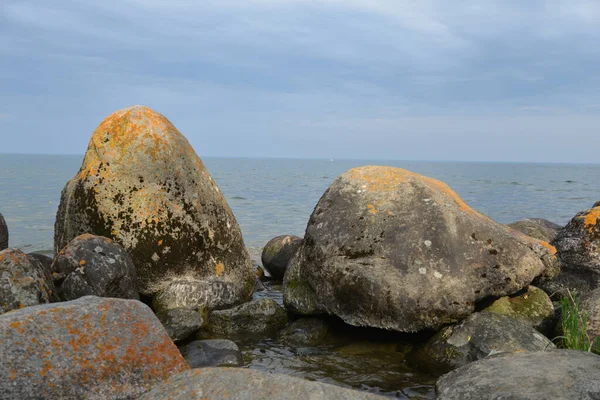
(212, 353)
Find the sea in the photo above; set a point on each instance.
(274, 196)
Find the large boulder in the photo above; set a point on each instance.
(23, 281)
(590, 308)
(278, 252)
(392, 249)
(142, 185)
(92, 348)
(256, 317)
(578, 247)
(553, 374)
(480, 335)
(94, 266)
(212, 353)
(538, 228)
(247, 384)
(3, 233)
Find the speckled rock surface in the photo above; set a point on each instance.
(180, 323)
(278, 252)
(142, 185)
(578, 246)
(392, 249)
(590, 305)
(92, 348)
(211, 353)
(247, 384)
(3, 233)
(258, 316)
(94, 266)
(23, 281)
(481, 335)
(552, 374)
(531, 306)
(537, 228)
(46, 261)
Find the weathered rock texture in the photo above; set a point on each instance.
(92, 348)
(531, 306)
(392, 249)
(578, 246)
(538, 228)
(481, 335)
(94, 266)
(3, 233)
(23, 281)
(590, 307)
(305, 331)
(212, 353)
(142, 185)
(553, 374)
(278, 252)
(180, 322)
(247, 384)
(258, 316)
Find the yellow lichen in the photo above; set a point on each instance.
(220, 268)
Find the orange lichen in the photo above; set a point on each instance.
(220, 268)
(81, 262)
(371, 209)
(591, 219)
(160, 242)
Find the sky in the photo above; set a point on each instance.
(506, 80)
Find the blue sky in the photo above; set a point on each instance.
(375, 79)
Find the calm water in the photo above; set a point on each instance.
(270, 197)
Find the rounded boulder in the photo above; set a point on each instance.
(392, 249)
(142, 185)
(278, 252)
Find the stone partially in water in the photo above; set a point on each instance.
(479, 336)
(211, 353)
(94, 266)
(305, 331)
(537, 228)
(531, 306)
(23, 281)
(392, 249)
(247, 384)
(3, 233)
(278, 252)
(552, 374)
(89, 348)
(142, 185)
(256, 317)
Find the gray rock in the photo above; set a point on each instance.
(596, 204)
(92, 348)
(180, 323)
(278, 252)
(23, 281)
(481, 335)
(305, 331)
(211, 353)
(3, 233)
(247, 384)
(590, 307)
(538, 228)
(578, 246)
(392, 249)
(94, 266)
(142, 185)
(258, 316)
(44, 260)
(553, 374)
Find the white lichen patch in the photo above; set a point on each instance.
(422, 270)
(437, 275)
(155, 257)
(427, 243)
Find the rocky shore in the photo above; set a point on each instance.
(151, 293)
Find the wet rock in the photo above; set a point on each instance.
(578, 246)
(94, 266)
(480, 335)
(211, 353)
(92, 348)
(180, 323)
(305, 332)
(23, 281)
(3, 233)
(538, 228)
(553, 374)
(531, 306)
(392, 249)
(277, 254)
(590, 307)
(258, 316)
(246, 384)
(142, 185)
